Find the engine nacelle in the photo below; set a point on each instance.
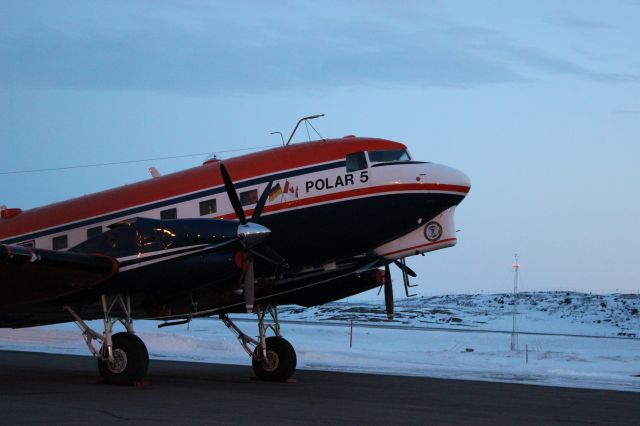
(436, 234)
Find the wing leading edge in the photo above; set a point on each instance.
(33, 276)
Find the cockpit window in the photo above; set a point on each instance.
(389, 156)
(356, 161)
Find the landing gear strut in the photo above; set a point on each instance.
(273, 358)
(123, 358)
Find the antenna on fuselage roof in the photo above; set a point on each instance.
(281, 137)
(306, 120)
(154, 172)
(212, 158)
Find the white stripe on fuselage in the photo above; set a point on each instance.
(160, 259)
(224, 208)
(153, 253)
(382, 176)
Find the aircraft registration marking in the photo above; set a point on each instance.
(335, 182)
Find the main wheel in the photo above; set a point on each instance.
(130, 360)
(280, 363)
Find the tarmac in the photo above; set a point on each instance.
(55, 389)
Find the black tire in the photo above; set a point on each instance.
(131, 361)
(283, 361)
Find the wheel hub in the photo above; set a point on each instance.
(272, 361)
(119, 363)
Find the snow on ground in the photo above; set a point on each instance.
(322, 342)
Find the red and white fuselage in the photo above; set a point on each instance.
(329, 200)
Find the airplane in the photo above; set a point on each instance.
(305, 224)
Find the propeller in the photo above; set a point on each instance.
(249, 281)
(233, 195)
(269, 254)
(257, 212)
(250, 233)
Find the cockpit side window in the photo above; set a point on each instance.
(356, 161)
(389, 156)
(154, 239)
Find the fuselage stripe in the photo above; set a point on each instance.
(175, 200)
(269, 209)
(132, 264)
(141, 257)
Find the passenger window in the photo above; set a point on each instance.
(169, 214)
(249, 197)
(60, 242)
(356, 161)
(94, 232)
(30, 244)
(208, 207)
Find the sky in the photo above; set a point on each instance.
(538, 102)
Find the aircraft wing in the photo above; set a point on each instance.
(30, 275)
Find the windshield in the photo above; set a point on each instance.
(388, 156)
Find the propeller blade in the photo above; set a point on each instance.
(261, 203)
(233, 195)
(405, 268)
(388, 292)
(267, 253)
(248, 282)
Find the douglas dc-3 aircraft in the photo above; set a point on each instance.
(305, 224)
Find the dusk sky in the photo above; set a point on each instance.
(538, 102)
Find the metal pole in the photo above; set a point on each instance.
(351, 335)
(514, 332)
(281, 137)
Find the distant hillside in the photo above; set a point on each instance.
(555, 312)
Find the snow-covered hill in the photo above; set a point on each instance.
(548, 312)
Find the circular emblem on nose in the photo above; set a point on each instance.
(433, 231)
